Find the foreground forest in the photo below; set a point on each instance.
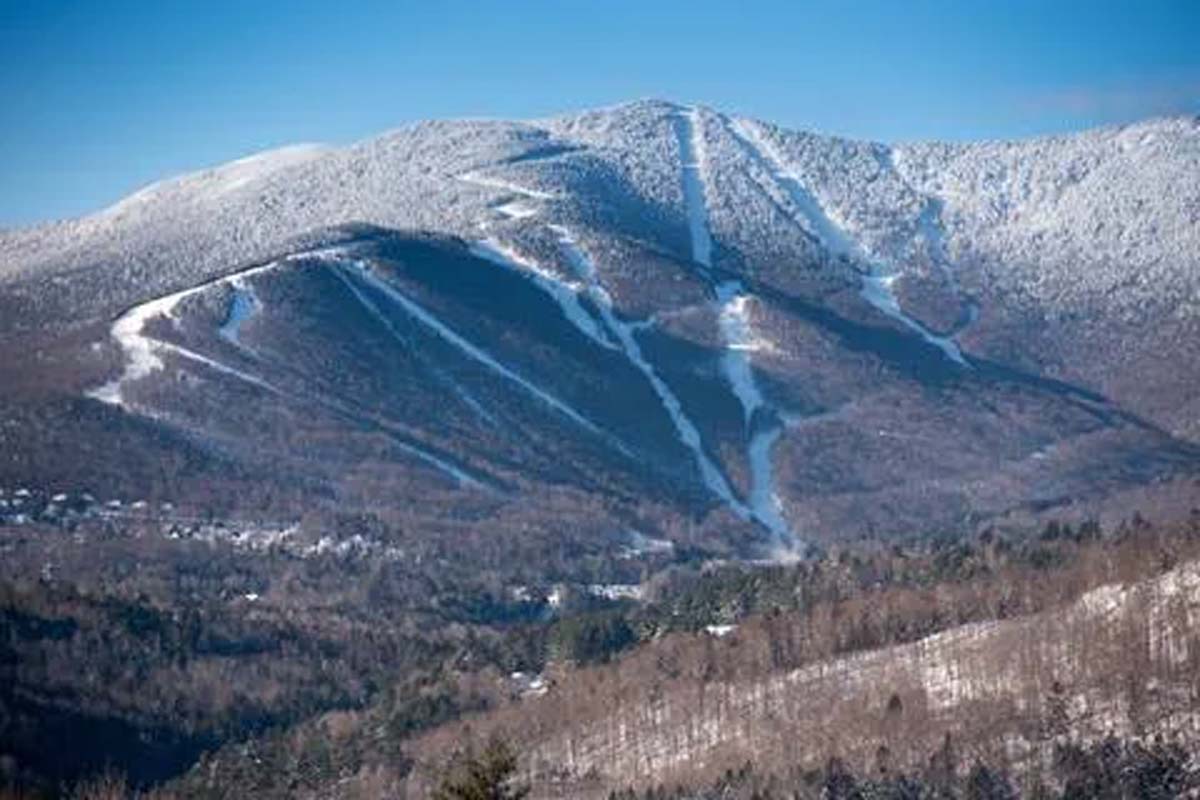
(198, 671)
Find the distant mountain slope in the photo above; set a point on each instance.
(663, 311)
(1120, 661)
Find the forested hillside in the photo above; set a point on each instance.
(300, 674)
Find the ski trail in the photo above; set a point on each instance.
(515, 209)
(403, 441)
(685, 429)
(691, 152)
(505, 186)
(357, 415)
(360, 416)
(877, 283)
(423, 316)
(734, 324)
(141, 351)
(933, 235)
(760, 420)
(935, 243)
(877, 290)
(565, 294)
(763, 497)
(244, 305)
(429, 458)
(213, 364)
(460, 391)
(407, 446)
(509, 208)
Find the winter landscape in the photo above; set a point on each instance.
(655, 450)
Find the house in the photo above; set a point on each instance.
(528, 684)
(616, 591)
(719, 631)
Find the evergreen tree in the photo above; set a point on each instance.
(487, 776)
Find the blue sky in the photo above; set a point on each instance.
(101, 97)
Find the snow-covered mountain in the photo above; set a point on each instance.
(653, 317)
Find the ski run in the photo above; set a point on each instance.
(761, 421)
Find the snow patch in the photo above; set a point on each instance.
(243, 305)
(142, 352)
(879, 277)
(489, 182)
(617, 591)
(640, 545)
(719, 631)
(516, 210)
(734, 323)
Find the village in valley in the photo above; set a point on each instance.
(23, 506)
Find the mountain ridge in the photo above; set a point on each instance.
(1158, 120)
(793, 325)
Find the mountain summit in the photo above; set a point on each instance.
(650, 320)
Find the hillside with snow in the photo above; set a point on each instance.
(1117, 661)
(650, 316)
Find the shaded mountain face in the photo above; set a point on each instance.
(650, 320)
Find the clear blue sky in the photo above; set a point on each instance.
(99, 97)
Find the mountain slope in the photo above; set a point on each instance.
(1118, 660)
(649, 316)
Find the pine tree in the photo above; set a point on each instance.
(487, 776)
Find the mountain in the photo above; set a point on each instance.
(650, 320)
